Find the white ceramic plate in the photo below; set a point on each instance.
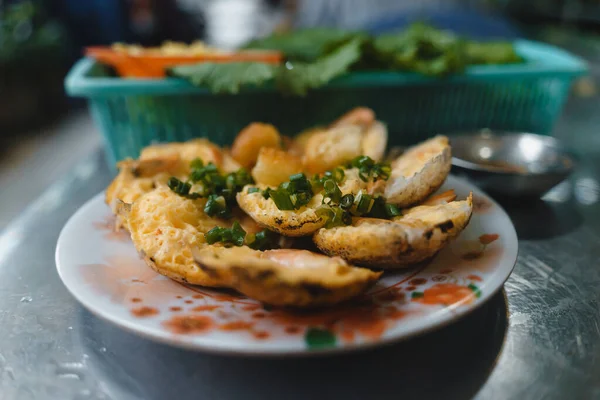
(102, 270)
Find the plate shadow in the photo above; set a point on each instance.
(451, 363)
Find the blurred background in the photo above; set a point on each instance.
(43, 133)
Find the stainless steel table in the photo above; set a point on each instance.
(540, 339)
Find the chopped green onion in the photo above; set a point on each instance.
(230, 181)
(325, 212)
(381, 209)
(262, 240)
(196, 163)
(228, 236)
(297, 177)
(282, 200)
(182, 188)
(364, 204)
(291, 195)
(179, 187)
(365, 162)
(378, 209)
(367, 168)
(381, 171)
(347, 218)
(332, 191)
(338, 174)
(214, 235)
(216, 206)
(347, 201)
(339, 218)
(392, 210)
(253, 190)
(213, 186)
(303, 198)
(236, 235)
(316, 183)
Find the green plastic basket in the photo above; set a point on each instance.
(525, 97)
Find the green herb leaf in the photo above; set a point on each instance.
(416, 295)
(226, 77)
(317, 338)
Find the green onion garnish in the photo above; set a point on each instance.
(338, 217)
(262, 240)
(216, 206)
(347, 201)
(364, 204)
(213, 186)
(291, 195)
(196, 164)
(297, 177)
(332, 191)
(228, 236)
(182, 188)
(253, 190)
(325, 212)
(282, 199)
(337, 174)
(336, 207)
(236, 236)
(369, 169)
(214, 235)
(392, 210)
(238, 233)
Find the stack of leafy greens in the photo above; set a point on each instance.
(316, 56)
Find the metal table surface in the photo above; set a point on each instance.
(540, 339)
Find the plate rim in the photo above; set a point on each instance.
(210, 347)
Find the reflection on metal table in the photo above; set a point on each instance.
(538, 339)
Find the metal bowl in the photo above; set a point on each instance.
(511, 164)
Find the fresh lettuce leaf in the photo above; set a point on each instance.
(303, 45)
(423, 49)
(292, 78)
(226, 77)
(299, 77)
(316, 56)
(497, 52)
